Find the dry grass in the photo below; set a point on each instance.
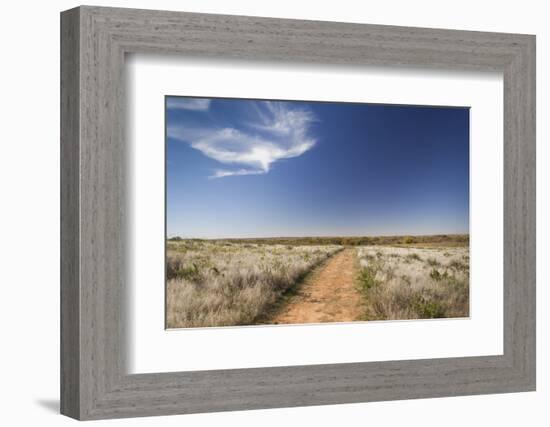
(217, 283)
(414, 283)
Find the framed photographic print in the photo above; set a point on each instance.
(262, 213)
(289, 212)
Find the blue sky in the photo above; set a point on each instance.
(252, 168)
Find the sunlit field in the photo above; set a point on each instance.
(223, 283)
(311, 280)
(413, 283)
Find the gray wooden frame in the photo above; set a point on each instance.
(94, 382)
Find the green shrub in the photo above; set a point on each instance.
(458, 266)
(428, 309)
(413, 256)
(432, 262)
(367, 278)
(191, 273)
(436, 275)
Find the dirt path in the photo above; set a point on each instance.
(327, 295)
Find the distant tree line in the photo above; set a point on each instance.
(437, 239)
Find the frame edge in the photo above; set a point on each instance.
(81, 397)
(70, 395)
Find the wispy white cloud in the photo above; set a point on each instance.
(220, 173)
(273, 132)
(195, 104)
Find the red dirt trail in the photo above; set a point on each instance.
(328, 294)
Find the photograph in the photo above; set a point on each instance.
(283, 212)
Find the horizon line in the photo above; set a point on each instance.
(321, 236)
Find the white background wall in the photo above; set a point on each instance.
(29, 224)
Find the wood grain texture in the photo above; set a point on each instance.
(94, 382)
(70, 220)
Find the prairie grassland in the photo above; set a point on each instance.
(222, 283)
(414, 283)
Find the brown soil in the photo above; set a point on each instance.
(328, 294)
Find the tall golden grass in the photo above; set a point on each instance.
(212, 283)
(414, 283)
